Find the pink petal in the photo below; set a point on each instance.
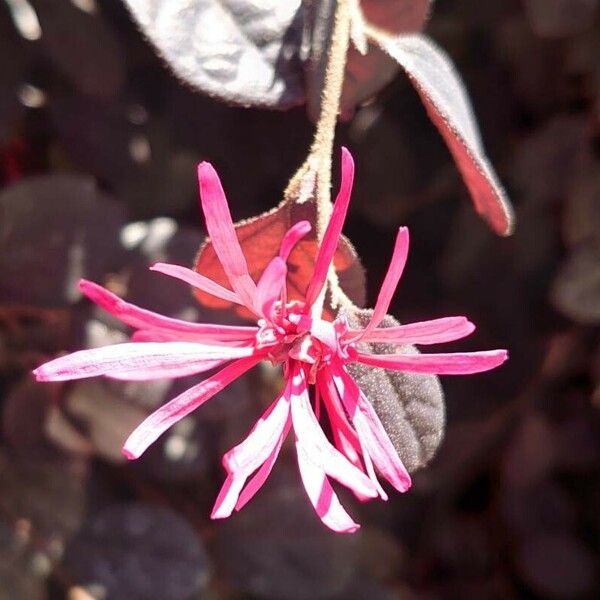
(270, 286)
(371, 432)
(334, 230)
(159, 421)
(196, 280)
(222, 234)
(343, 434)
(435, 331)
(136, 359)
(192, 368)
(311, 436)
(227, 497)
(345, 437)
(454, 363)
(213, 338)
(292, 237)
(261, 475)
(390, 282)
(141, 318)
(321, 494)
(248, 456)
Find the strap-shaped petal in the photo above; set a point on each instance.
(452, 363)
(346, 438)
(259, 478)
(223, 236)
(369, 428)
(173, 411)
(140, 360)
(310, 435)
(196, 280)
(270, 286)
(392, 277)
(436, 331)
(262, 444)
(334, 230)
(321, 494)
(292, 236)
(140, 318)
(192, 368)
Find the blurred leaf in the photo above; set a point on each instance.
(556, 565)
(138, 551)
(560, 18)
(53, 231)
(106, 418)
(410, 406)
(260, 238)
(13, 62)
(582, 217)
(132, 152)
(49, 496)
(543, 157)
(82, 46)
(576, 290)
(544, 506)
(276, 548)
(445, 98)
(19, 577)
(531, 453)
(236, 50)
(25, 413)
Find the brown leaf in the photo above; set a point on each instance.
(260, 238)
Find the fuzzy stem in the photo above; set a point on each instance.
(315, 173)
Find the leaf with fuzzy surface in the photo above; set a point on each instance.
(239, 51)
(410, 406)
(443, 93)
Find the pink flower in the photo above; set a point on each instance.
(314, 353)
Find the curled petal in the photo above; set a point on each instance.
(270, 286)
(435, 331)
(140, 318)
(222, 233)
(196, 280)
(140, 360)
(334, 230)
(293, 235)
(346, 439)
(263, 472)
(173, 411)
(369, 428)
(453, 363)
(228, 495)
(310, 435)
(262, 444)
(321, 494)
(390, 282)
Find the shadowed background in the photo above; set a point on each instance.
(98, 149)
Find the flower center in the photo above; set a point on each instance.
(291, 333)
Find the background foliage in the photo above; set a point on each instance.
(98, 147)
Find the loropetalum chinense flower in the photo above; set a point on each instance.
(313, 351)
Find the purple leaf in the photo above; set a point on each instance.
(445, 98)
(409, 405)
(236, 50)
